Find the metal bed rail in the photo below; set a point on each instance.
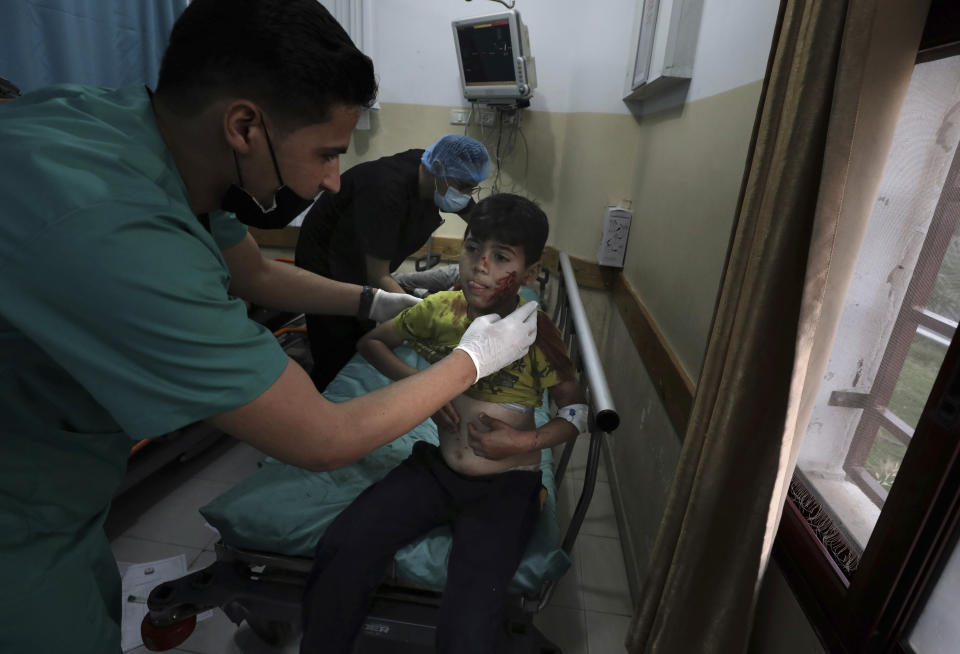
(571, 319)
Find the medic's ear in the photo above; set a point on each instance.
(242, 122)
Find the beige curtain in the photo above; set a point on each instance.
(837, 74)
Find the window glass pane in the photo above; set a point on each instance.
(943, 300)
(900, 312)
(909, 397)
(919, 372)
(885, 456)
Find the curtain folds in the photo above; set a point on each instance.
(84, 41)
(837, 72)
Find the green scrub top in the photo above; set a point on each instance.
(116, 324)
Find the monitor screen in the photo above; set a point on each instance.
(487, 53)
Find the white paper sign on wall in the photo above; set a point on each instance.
(613, 240)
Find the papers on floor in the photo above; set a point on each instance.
(138, 579)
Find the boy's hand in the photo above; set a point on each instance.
(447, 418)
(494, 439)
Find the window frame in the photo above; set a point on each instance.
(872, 609)
(663, 46)
(912, 315)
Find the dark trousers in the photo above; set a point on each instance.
(492, 519)
(333, 339)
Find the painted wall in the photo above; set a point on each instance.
(581, 51)
(685, 186)
(643, 452)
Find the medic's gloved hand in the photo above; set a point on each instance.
(386, 305)
(494, 343)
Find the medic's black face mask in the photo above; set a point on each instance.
(287, 205)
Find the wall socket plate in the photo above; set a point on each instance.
(487, 117)
(484, 117)
(613, 240)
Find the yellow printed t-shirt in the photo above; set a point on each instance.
(434, 327)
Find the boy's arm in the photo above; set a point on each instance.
(503, 441)
(377, 346)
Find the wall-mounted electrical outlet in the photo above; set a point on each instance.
(487, 117)
(459, 116)
(613, 240)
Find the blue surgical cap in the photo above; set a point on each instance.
(459, 157)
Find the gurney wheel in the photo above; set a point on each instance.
(160, 639)
(272, 632)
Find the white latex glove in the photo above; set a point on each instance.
(494, 343)
(386, 305)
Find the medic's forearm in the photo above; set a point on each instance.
(378, 274)
(381, 356)
(285, 287)
(292, 422)
(391, 411)
(279, 285)
(289, 288)
(387, 283)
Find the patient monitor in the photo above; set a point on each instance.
(493, 53)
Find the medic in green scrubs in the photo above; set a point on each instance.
(120, 287)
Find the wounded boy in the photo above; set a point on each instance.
(488, 491)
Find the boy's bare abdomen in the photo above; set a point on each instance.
(456, 449)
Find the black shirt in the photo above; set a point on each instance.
(378, 212)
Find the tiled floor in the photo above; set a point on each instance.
(588, 613)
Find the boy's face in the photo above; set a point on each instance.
(491, 274)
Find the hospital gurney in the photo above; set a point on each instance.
(270, 522)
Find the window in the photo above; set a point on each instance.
(922, 330)
(901, 312)
(665, 34)
(356, 18)
(876, 497)
(351, 14)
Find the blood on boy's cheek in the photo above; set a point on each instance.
(506, 286)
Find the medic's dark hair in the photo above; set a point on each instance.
(290, 56)
(510, 219)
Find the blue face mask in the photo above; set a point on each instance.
(452, 201)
